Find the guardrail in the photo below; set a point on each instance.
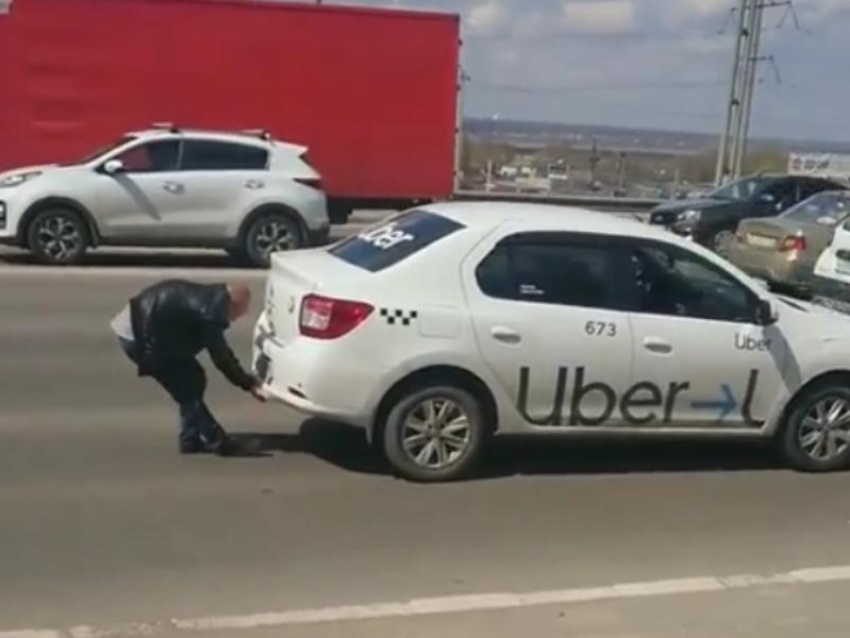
(609, 204)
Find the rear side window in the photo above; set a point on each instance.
(578, 274)
(206, 155)
(387, 245)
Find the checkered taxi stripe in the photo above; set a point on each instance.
(399, 317)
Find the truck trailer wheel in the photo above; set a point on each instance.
(434, 434)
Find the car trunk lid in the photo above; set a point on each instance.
(294, 276)
(771, 234)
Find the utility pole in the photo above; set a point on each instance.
(754, 57)
(733, 108)
(594, 162)
(735, 136)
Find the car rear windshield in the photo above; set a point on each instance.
(379, 248)
(824, 208)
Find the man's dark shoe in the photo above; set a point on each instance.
(233, 447)
(191, 447)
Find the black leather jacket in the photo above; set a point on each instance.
(175, 320)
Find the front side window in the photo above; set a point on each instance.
(785, 193)
(672, 281)
(153, 157)
(741, 190)
(569, 273)
(209, 155)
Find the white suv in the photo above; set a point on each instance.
(245, 193)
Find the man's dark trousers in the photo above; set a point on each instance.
(186, 382)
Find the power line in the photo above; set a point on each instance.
(570, 88)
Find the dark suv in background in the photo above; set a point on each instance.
(712, 220)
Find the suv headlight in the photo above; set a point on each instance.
(689, 216)
(18, 179)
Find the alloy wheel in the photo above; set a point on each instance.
(436, 433)
(824, 433)
(58, 237)
(274, 236)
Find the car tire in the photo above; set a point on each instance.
(58, 237)
(720, 241)
(816, 437)
(237, 255)
(269, 233)
(434, 434)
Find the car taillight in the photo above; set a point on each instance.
(793, 244)
(312, 182)
(326, 318)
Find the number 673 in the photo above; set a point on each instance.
(601, 329)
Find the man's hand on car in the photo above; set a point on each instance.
(259, 394)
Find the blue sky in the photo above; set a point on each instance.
(650, 63)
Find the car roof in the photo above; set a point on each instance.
(258, 138)
(223, 136)
(545, 217)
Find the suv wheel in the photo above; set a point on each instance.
(57, 236)
(817, 433)
(434, 434)
(270, 233)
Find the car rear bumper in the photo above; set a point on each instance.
(298, 375)
(771, 265)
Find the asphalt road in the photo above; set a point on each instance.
(106, 531)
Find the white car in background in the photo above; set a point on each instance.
(245, 193)
(833, 264)
(454, 322)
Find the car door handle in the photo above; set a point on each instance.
(505, 335)
(658, 346)
(173, 187)
(254, 184)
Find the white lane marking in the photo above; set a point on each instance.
(448, 605)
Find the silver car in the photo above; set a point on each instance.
(783, 250)
(245, 193)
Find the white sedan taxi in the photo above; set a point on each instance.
(455, 322)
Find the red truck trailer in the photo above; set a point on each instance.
(372, 92)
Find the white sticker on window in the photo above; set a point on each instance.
(386, 237)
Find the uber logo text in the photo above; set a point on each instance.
(745, 342)
(635, 405)
(386, 237)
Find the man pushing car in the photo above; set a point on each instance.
(163, 329)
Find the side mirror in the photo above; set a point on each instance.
(113, 167)
(766, 313)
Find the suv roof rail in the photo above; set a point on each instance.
(167, 126)
(262, 133)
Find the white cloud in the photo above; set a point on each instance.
(487, 17)
(599, 16)
(703, 8)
